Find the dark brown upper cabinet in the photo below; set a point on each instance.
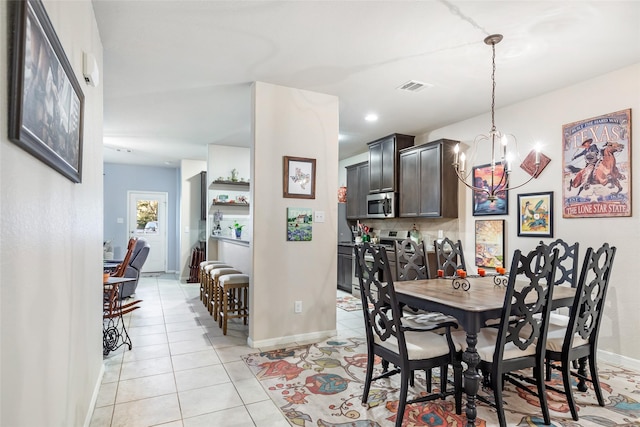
(357, 190)
(383, 162)
(428, 183)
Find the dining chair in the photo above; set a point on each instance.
(412, 264)
(411, 260)
(567, 275)
(578, 340)
(404, 347)
(449, 255)
(519, 341)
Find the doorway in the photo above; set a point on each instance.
(147, 219)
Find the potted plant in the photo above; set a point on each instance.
(238, 228)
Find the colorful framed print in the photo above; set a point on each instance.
(490, 243)
(46, 101)
(596, 178)
(535, 214)
(482, 179)
(299, 178)
(299, 224)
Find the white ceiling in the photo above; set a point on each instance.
(177, 74)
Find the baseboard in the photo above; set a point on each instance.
(618, 360)
(94, 397)
(284, 341)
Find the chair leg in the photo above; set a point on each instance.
(593, 368)
(368, 376)
(427, 373)
(496, 384)
(538, 373)
(566, 381)
(443, 380)
(402, 401)
(548, 369)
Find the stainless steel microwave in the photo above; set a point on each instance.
(381, 205)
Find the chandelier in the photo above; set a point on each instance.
(503, 149)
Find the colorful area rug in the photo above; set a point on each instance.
(349, 303)
(321, 385)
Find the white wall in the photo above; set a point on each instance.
(51, 256)
(191, 226)
(540, 120)
(291, 122)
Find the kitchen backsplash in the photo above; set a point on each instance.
(428, 227)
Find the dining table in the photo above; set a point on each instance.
(472, 301)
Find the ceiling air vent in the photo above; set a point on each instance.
(413, 86)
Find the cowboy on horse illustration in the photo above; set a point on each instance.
(600, 166)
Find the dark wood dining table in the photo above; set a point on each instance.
(472, 308)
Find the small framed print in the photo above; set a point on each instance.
(490, 243)
(299, 178)
(299, 224)
(482, 179)
(535, 214)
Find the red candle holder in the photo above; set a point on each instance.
(481, 272)
(440, 273)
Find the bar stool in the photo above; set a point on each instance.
(234, 304)
(205, 288)
(201, 274)
(213, 297)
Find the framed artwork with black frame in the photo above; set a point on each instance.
(46, 101)
(482, 179)
(535, 214)
(490, 243)
(299, 178)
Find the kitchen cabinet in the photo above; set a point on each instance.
(357, 190)
(428, 184)
(383, 162)
(345, 267)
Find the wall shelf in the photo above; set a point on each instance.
(242, 184)
(230, 204)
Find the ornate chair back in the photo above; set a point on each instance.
(449, 255)
(411, 260)
(567, 262)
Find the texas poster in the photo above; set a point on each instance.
(597, 166)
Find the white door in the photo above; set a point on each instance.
(148, 220)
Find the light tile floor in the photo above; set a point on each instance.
(182, 372)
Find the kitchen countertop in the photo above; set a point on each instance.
(228, 239)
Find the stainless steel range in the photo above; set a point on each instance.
(387, 238)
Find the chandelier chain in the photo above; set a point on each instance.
(493, 88)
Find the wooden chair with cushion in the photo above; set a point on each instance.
(412, 264)
(387, 337)
(578, 340)
(234, 299)
(519, 341)
(567, 274)
(450, 256)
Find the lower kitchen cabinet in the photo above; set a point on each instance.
(345, 267)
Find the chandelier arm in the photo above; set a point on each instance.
(522, 184)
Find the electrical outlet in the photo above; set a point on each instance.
(297, 307)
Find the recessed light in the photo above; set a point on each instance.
(371, 117)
